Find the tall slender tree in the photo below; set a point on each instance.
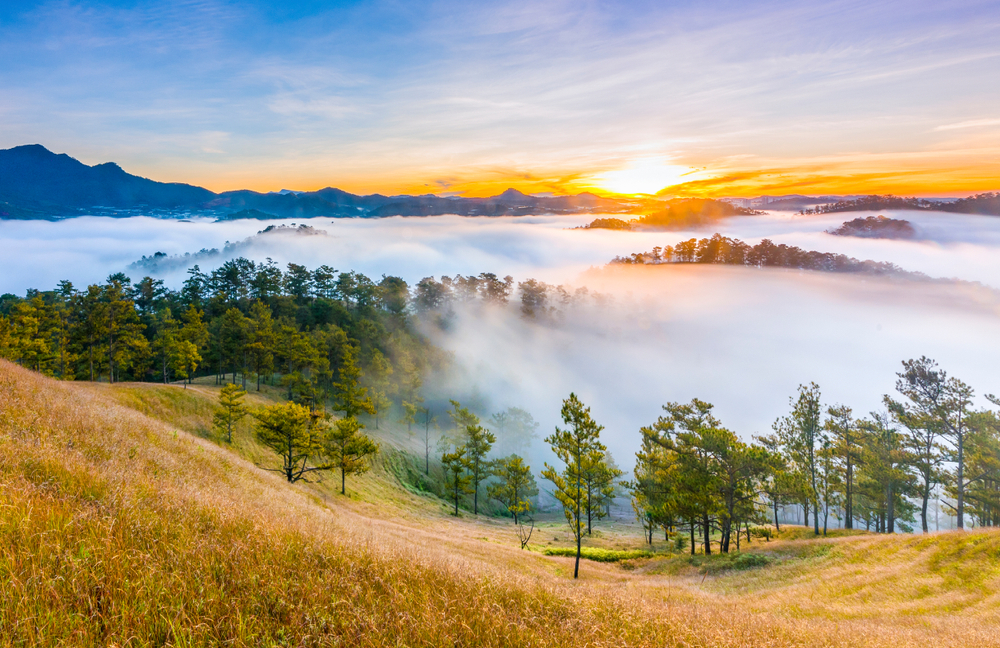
(572, 446)
(923, 385)
(480, 441)
(231, 410)
(800, 432)
(349, 449)
(846, 447)
(456, 480)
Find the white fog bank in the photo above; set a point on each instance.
(37, 254)
(741, 338)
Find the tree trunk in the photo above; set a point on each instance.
(777, 527)
(576, 567)
(891, 507)
(924, 497)
(343, 486)
(708, 535)
(849, 500)
(579, 531)
(589, 509)
(475, 492)
(961, 480)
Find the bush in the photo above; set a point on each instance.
(718, 563)
(750, 560)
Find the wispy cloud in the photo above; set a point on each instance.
(387, 95)
(972, 123)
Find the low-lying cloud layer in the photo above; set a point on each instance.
(741, 338)
(39, 254)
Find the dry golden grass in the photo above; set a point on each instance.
(117, 528)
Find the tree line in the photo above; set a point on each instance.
(695, 477)
(679, 213)
(878, 471)
(254, 320)
(984, 203)
(295, 328)
(723, 250)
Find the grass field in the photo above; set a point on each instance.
(124, 522)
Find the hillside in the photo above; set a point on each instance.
(124, 522)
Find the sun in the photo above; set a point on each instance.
(643, 177)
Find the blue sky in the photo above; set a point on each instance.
(547, 96)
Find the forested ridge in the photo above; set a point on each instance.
(987, 204)
(723, 250)
(677, 214)
(295, 327)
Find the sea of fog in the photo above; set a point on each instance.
(741, 338)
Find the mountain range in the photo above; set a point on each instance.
(36, 183)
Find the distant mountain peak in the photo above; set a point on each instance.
(37, 183)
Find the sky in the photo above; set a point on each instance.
(447, 97)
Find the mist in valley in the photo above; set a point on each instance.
(741, 338)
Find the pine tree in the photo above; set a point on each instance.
(349, 449)
(454, 465)
(480, 441)
(231, 410)
(349, 396)
(572, 446)
(845, 447)
(515, 486)
(922, 384)
(295, 434)
(800, 434)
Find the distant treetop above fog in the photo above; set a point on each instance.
(876, 227)
(677, 214)
(986, 204)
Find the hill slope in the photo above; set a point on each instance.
(117, 528)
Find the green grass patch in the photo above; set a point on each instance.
(600, 555)
(807, 533)
(713, 564)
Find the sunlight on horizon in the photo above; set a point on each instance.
(646, 176)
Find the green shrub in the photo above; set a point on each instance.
(600, 555)
(750, 560)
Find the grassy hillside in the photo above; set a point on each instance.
(122, 523)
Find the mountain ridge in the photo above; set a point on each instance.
(36, 183)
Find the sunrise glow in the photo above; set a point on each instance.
(646, 176)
